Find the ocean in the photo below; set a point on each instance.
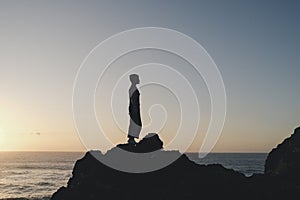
(246, 163)
(34, 175)
(37, 175)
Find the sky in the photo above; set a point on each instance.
(255, 45)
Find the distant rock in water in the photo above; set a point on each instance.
(182, 179)
(284, 161)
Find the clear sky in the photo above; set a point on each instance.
(255, 44)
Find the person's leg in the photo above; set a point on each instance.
(134, 130)
(130, 137)
(131, 140)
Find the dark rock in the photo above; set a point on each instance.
(149, 143)
(284, 160)
(183, 179)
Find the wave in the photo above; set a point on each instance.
(32, 167)
(45, 184)
(33, 198)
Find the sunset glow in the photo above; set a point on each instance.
(257, 55)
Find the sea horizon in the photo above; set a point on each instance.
(50, 151)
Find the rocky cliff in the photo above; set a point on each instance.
(284, 160)
(183, 179)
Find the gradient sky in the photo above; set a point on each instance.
(255, 44)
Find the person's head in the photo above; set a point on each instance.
(134, 78)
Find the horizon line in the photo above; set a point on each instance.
(193, 152)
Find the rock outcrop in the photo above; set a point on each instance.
(183, 179)
(149, 143)
(284, 160)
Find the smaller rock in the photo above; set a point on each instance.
(149, 143)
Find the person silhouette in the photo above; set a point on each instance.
(135, 124)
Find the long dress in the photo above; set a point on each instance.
(135, 124)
